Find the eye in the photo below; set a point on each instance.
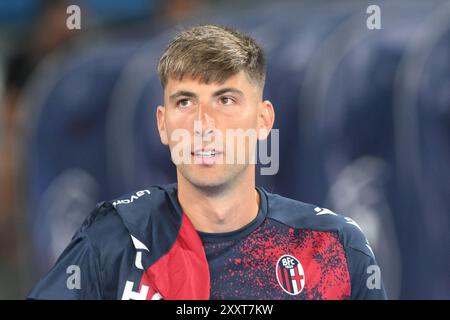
(227, 100)
(184, 103)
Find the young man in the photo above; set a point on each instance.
(213, 234)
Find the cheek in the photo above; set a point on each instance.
(176, 121)
(179, 130)
(243, 120)
(248, 124)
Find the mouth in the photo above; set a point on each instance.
(206, 153)
(206, 156)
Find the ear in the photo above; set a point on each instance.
(266, 118)
(161, 120)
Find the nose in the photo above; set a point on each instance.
(205, 124)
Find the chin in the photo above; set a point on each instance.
(206, 181)
(211, 181)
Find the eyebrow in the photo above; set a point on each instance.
(228, 90)
(183, 93)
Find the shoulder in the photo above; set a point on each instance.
(301, 215)
(125, 212)
(139, 208)
(134, 220)
(104, 232)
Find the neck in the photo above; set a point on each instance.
(222, 210)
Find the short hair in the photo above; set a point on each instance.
(212, 53)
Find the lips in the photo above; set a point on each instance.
(206, 152)
(206, 156)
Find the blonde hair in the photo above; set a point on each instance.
(212, 53)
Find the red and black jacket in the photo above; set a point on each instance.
(142, 246)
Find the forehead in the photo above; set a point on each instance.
(239, 81)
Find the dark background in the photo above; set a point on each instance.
(364, 119)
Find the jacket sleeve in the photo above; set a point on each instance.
(365, 275)
(75, 276)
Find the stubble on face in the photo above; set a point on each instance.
(218, 176)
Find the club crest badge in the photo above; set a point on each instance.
(290, 274)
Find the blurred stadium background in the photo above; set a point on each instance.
(364, 119)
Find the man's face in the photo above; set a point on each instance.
(211, 115)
